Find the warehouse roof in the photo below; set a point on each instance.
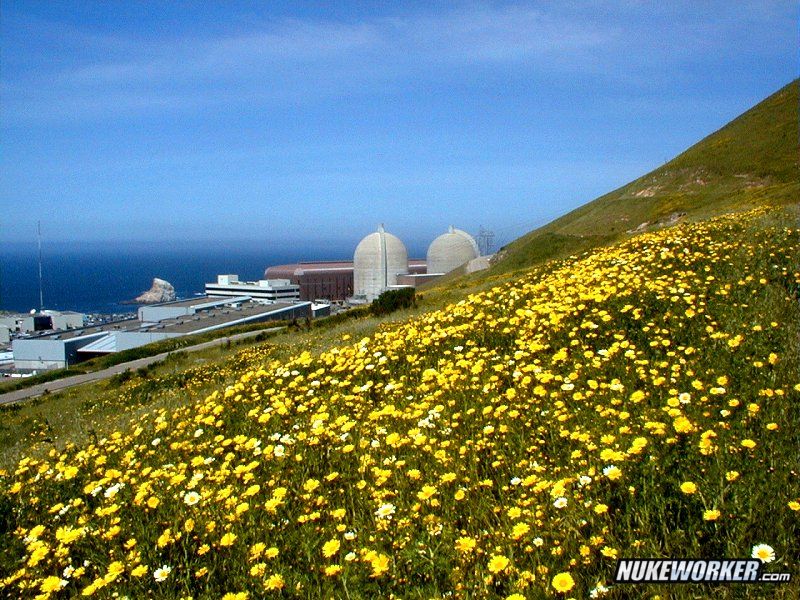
(184, 324)
(189, 302)
(217, 316)
(67, 334)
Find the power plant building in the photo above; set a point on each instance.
(379, 258)
(154, 323)
(264, 290)
(331, 280)
(43, 321)
(451, 250)
(380, 262)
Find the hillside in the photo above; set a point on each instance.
(639, 401)
(752, 161)
(510, 438)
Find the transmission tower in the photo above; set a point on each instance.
(485, 241)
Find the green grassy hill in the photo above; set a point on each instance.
(752, 161)
(642, 400)
(639, 400)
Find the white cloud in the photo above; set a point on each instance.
(294, 60)
(513, 33)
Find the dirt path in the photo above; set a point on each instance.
(67, 382)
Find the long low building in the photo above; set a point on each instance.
(330, 280)
(155, 323)
(153, 313)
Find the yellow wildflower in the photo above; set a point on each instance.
(563, 582)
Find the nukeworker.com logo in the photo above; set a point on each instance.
(682, 570)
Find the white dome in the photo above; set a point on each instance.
(379, 259)
(451, 250)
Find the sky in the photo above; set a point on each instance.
(279, 123)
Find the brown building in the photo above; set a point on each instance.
(329, 280)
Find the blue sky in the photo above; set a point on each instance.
(279, 122)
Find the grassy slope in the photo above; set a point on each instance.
(746, 145)
(550, 378)
(752, 161)
(720, 158)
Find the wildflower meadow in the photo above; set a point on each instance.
(640, 400)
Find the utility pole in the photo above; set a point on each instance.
(41, 293)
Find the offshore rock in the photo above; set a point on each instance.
(160, 291)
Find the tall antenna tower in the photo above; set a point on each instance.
(41, 293)
(485, 241)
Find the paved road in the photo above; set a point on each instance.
(60, 384)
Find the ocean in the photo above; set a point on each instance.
(97, 277)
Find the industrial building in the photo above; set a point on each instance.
(154, 323)
(451, 250)
(266, 290)
(43, 321)
(379, 258)
(155, 313)
(381, 263)
(330, 280)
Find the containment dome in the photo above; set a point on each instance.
(451, 250)
(379, 259)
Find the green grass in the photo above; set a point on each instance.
(752, 161)
(541, 310)
(600, 375)
(96, 409)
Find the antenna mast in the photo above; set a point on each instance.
(41, 294)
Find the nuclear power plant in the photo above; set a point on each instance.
(380, 262)
(451, 250)
(303, 290)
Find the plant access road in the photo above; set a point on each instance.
(61, 384)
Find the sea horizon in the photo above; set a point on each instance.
(100, 277)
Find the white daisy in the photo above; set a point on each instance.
(763, 552)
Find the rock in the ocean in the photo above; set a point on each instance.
(160, 291)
